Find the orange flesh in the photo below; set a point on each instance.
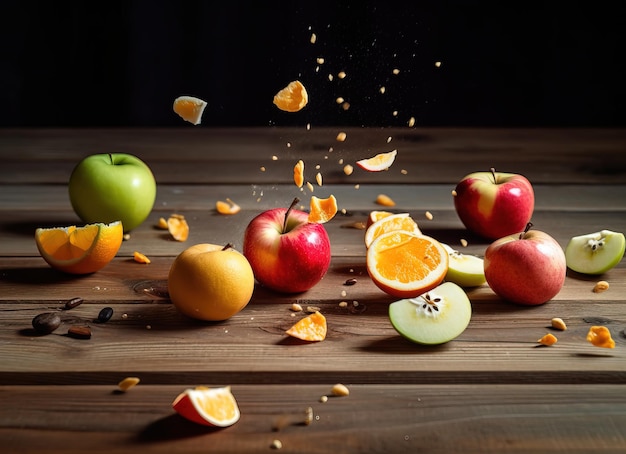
(600, 336)
(298, 173)
(412, 260)
(322, 210)
(311, 328)
(178, 227)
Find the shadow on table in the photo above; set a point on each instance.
(173, 427)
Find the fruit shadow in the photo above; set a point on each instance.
(37, 276)
(173, 427)
(27, 228)
(400, 346)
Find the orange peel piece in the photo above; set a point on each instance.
(548, 339)
(378, 163)
(322, 210)
(161, 224)
(600, 336)
(298, 173)
(140, 258)
(385, 200)
(178, 227)
(292, 98)
(311, 328)
(227, 207)
(189, 108)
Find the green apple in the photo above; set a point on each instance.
(433, 318)
(112, 187)
(464, 270)
(595, 253)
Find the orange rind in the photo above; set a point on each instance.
(600, 336)
(399, 221)
(178, 227)
(140, 258)
(227, 207)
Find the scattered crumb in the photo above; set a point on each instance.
(342, 74)
(411, 122)
(382, 90)
(310, 186)
(128, 383)
(313, 38)
(262, 168)
(344, 293)
(429, 215)
(320, 60)
(385, 200)
(437, 64)
(126, 237)
(276, 444)
(340, 390)
(558, 323)
(343, 304)
(396, 71)
(341, 136)
(404, 171)
(296, 307)
(453, 193)
(463, 242)
(339, 100)
(318, 179)
(274, 158)
(324, 399)
(348, 169)
(312, 309)
(600, 287)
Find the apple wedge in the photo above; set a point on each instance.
(595, 253)
(433, 318)
(463, 269)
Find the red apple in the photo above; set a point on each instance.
(494, 204)
(287, 253)
(527, 268)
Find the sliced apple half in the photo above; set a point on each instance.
(595, 253)
(433, 318)
(464, 269)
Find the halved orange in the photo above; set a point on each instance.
(405, 265)
(311, 328)
(382, 161)
(292, 98)
(399, 221)
(208, 406)
(80, 250)
(189, 108)
(322, 210)
(376, 215)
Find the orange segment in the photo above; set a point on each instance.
(385, 200)
(80, 250)
(178, 227)
(322, 210)
(228, 207)
(208, 406)
(376, 215)
(400, 221)
(298, 173)
(189, 108)
(311, 328)
(406, 265)
(140, 258)
(382, 161)
(600, 336)
(292, 98)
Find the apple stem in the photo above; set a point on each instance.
(528, 227)
(228, 246)
(111, 158)
(493, 172)
(293, 204)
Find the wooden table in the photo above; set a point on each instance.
(493, 389)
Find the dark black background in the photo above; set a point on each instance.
(502, 63)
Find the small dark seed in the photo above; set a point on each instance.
(105, 315)
(46, 323)
(350, 281)
(74, 302)
(79, 332)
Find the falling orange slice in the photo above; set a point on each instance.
(178, 227)
(322, 210)
(228, 207)
(292, 98)
(208, 406)
(189, 108)
(400, 221)
(381, 161)
(80, 250)
(406, 265)
(298, 173)
(311, 328)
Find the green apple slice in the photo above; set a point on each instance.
(433, 318)
(464, 270)
(595, 253)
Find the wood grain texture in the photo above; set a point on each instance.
(493, 389)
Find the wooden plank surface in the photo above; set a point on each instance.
(490, 390)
